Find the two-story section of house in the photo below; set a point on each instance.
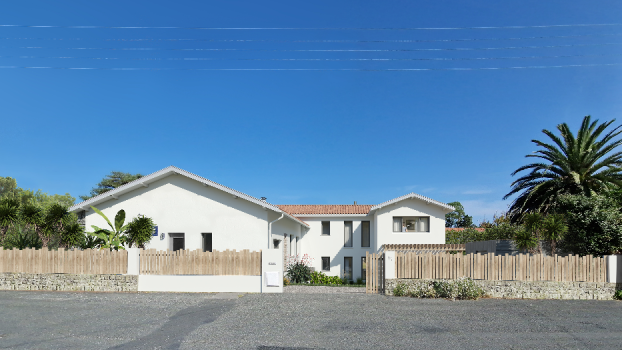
(192, 212)
(338, 236)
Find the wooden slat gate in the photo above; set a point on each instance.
(374, 273)
(196, 262)
(521, 267)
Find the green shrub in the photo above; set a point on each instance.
(139, 231)
(400, 290)
(21, 237)
(618, 295)
(321, 278)
(462, 288)
(422, 289)
(359, 281)
(299, 271)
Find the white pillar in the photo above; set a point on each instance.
(271, 263)
(133, 264)
(389, 265)
(614, 268)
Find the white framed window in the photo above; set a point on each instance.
(326, 228)
(411, 224)
(325, 263)
(347, 233)
(347, 268)
(365, 239)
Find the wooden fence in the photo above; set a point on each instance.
(522, 267)
(374, 281)
(88, 261)
(424, 247)
(196, 262)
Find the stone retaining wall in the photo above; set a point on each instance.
(68, 282)
(535, 289)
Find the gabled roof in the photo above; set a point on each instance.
(145, 180)
(415, 196)
(327, 209)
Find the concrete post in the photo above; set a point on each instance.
(133, 264)
(389, 265)
(272, 263)
(614, 268)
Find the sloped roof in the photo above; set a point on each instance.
(328, 209)
(415, 196)
(175, 170)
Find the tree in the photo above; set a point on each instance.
(554, 229)
(9, 189)
(110, 182)
(139, 231)
(569, 165)
(458, 218)
(533, 223)
(594, 224)
(9, 213)
(53, 225)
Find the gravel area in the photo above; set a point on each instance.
(46, 320)
(322, 289)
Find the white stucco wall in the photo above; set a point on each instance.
(317, 245)
(285, 226)
(182, 205)
(405, 208)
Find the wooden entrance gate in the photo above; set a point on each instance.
(375, 273)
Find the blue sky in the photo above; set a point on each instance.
(328, 114)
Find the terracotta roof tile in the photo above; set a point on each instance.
(311, 209)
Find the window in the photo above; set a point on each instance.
(364, 268)
(411, 224)
(326, 228)
(347, 233)
(365, 234)
(325, 263)
(347, 268)
(397, 224)
(179, 241)
(207, 242)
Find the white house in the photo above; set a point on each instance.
(192, 212)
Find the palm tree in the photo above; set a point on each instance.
(575, 165)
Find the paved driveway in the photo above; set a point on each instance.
(45, 320)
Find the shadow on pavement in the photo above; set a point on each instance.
(178, 326)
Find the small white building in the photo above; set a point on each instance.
(192, 212)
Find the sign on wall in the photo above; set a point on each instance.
(155, 232)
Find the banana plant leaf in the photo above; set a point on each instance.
(103, 216)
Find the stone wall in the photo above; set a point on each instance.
(535, 289)
(68, 282)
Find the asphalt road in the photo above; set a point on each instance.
(48, 320)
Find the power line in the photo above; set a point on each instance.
(318, 28)
(311, 59)
(332, 40)
(315, 69)
(314, 50)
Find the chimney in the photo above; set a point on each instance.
(354, 202)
